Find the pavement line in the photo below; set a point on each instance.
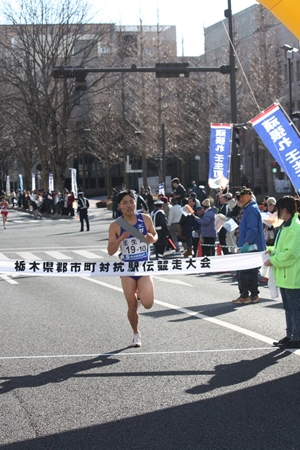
(167, 280)
(137, 353)
(28, 256)
(9, 280)
(87, 254)
(218, 322)
(57, 255)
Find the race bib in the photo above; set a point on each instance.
(134, 250)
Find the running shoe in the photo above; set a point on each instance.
(136, 340)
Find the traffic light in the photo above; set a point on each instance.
(77, 72)
(172, 70)
(62, 72)
(275, 167)
(240, 135)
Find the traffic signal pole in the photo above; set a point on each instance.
(169, 70)
(235, 157)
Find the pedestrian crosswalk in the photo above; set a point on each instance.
(54, 255)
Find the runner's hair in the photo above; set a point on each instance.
(122, 194)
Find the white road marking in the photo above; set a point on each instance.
(167, 280)
(9, 280)
(137, 353)
(3, 256)
(28, 256)
(87, 254)
(218, 322)
(58, 255)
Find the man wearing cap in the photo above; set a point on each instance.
(250, 234)
(201, 194)
(269, 231)
(160, 224)
(83, 205)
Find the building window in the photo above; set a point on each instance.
(104, 50)
(127, 45)
(147, 51)
(85, 47)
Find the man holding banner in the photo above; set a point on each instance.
(251, 235)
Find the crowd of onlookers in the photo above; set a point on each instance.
(43, 202)
(190, 217)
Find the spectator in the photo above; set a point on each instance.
(285, 259)
(208, 231)
(70, 203)
(160, 225)
(149, 200)
(83, 206)
(269, 230)
(251, 233)
(224, 209)
(196, 231)
(194, 187)
(173, 221)
(201, 194)
(178, 189)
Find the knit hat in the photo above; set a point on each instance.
(271, 200)
(206, 202)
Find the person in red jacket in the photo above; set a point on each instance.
(4, 210)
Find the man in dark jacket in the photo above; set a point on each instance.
(83, 205)
(160, 224)
(178, 190)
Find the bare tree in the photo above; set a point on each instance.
(38, 37)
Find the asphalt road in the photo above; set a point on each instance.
(206, 377)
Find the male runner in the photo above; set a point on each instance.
(136, 288)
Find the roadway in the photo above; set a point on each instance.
(206, 377)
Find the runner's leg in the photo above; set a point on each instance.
(146, 291)
(129, 286)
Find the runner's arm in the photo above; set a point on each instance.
(151, 236)
(114, 240)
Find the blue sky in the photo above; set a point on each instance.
(189, 16)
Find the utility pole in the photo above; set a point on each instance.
(235, 158)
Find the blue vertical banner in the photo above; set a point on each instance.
(282, 140)
(21, 181)
(161, 189)
(219, 154)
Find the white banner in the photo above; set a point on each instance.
(74, 182)
(228, 263)
(33, 188)
(51, 182)
(21, 181)
(8, 186)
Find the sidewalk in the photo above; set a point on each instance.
(92, 202)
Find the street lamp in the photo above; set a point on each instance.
(289, 54)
